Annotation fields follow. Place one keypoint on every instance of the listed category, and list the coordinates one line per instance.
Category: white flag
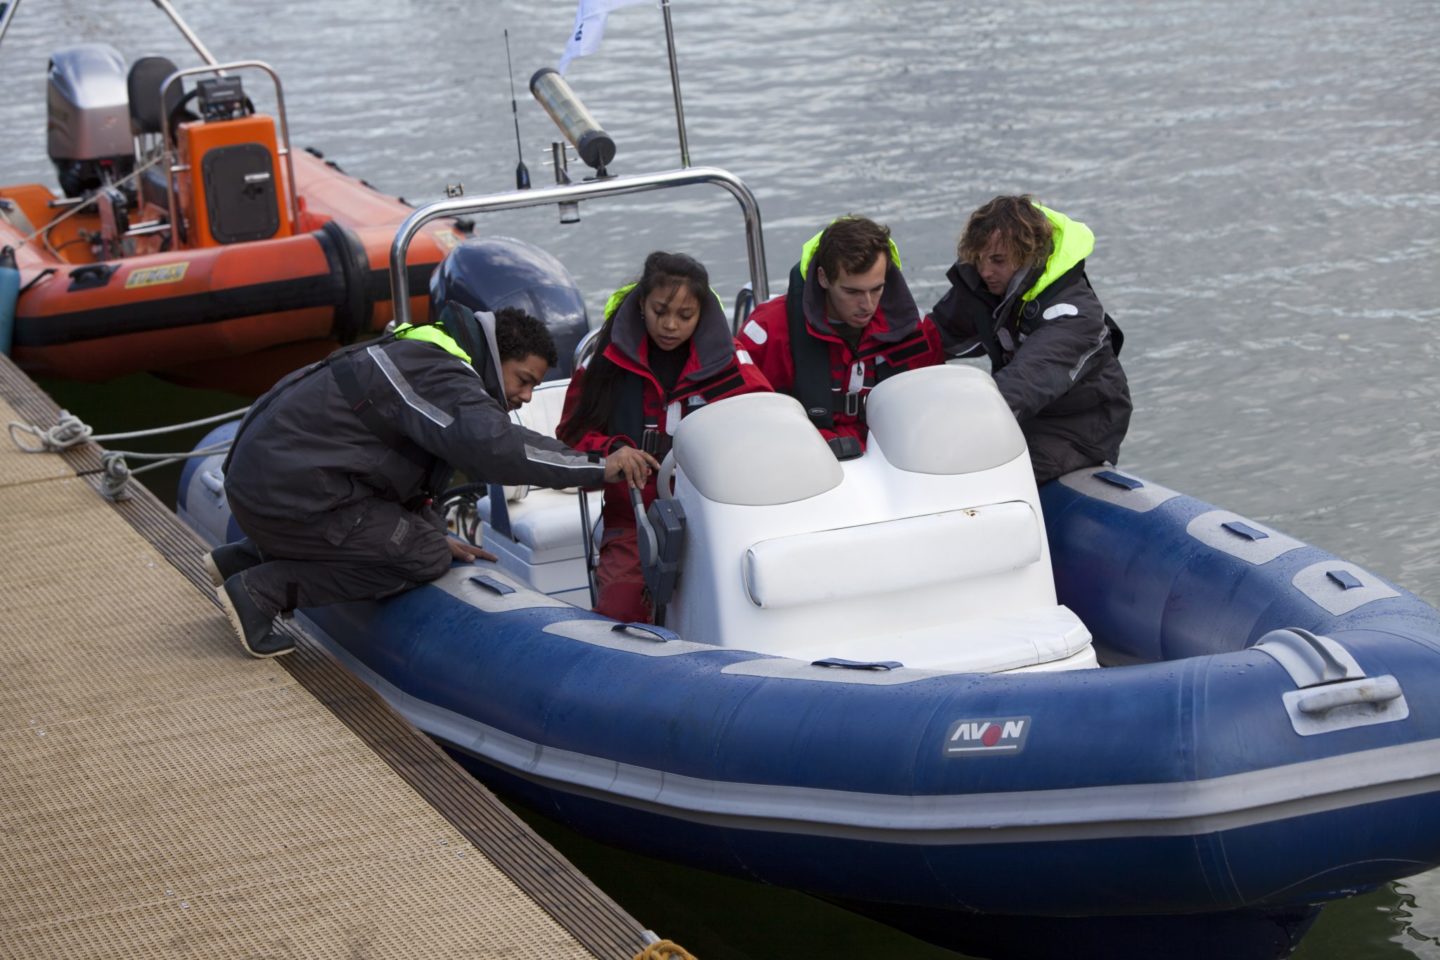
(590, 27)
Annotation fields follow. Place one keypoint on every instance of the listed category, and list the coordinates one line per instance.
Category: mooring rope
(70, 430)
(114, 471)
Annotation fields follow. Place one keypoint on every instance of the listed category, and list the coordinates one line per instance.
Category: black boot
(258, 633)
(228, 559)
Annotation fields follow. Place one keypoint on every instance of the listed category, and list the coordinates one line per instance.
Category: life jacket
(824, 389)
(1072, 241)
(650, 425)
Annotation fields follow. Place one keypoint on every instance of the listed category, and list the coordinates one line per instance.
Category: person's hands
(630, 464)
(468, 553)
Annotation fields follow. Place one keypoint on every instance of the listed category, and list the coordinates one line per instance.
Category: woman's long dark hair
(597, 394)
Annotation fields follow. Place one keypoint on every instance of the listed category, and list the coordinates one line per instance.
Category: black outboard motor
(493, 272)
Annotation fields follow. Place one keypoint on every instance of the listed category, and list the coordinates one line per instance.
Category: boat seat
(722, 453)
(928, 550)
(891, 556)
(142, 85)
(153, 189)
(545, 543)
(542, 414)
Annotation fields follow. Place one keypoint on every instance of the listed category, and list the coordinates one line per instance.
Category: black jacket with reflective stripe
(303, 452)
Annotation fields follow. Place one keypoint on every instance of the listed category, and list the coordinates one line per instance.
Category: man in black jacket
(332, 472)
(1019, 294)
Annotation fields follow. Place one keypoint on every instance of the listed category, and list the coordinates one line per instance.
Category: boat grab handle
(857, 664)
(491, 584)
(572, 192)
(1376, 690)
(1118, 480)
(1311, 660)
(656, 633)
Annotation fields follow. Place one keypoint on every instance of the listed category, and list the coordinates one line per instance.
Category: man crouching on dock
(332, 473)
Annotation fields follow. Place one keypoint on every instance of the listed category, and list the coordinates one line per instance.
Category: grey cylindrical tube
(593, 144)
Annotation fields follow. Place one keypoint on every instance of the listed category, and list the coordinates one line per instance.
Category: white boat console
(929, 550)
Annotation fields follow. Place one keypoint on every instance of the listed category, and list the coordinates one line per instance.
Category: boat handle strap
(491, 584)
(844, 664)
(1118, 480)
(1375, 690)
(656, 633)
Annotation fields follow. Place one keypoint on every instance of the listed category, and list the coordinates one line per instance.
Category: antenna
(522, 175)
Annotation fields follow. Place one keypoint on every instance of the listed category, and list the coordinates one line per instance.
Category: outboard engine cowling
(88, 117)
(489, 273)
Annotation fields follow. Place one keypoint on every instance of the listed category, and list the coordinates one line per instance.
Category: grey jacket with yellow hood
(1052, 349)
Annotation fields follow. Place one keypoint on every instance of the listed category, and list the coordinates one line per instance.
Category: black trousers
(372, 549)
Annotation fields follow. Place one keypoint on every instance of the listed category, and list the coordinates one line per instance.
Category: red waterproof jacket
(896, 339)
(644, 415)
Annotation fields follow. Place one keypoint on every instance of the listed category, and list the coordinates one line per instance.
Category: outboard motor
(88, 123)
(493, 272)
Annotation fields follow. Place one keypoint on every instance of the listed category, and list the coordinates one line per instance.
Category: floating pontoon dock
(162, 794)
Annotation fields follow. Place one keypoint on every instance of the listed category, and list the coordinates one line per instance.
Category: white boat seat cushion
(547, 522)
(908, 413)
(758, 449)
(891, 556)
(1036, 640)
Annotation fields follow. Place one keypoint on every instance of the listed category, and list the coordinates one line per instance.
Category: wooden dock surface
(164, 795)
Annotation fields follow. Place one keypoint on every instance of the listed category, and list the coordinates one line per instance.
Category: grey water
(1263, 181)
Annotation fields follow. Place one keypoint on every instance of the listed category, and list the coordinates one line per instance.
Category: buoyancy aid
(1071, 242)
(652, 426)
(712, 373)
(818, 383)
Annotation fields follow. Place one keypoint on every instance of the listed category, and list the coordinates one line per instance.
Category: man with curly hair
(1020, 296)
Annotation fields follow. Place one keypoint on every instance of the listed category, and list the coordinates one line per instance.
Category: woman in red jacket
(664, 351)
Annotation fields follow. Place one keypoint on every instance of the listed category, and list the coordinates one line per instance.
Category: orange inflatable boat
(191, 241)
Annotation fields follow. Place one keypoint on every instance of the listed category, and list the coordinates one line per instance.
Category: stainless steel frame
(675, 85)
(570, 193)
(7, 13)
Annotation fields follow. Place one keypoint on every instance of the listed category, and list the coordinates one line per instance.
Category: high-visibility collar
(1071, 242)
(813, 244)
(617, 298)
(430, 333)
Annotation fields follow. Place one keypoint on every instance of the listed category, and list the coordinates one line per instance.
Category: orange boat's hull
(235, 316)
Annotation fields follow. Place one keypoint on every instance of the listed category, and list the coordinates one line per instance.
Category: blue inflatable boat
(915, 684)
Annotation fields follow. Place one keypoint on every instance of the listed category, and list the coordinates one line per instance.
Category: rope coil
(114, 476)
(664, 950)
(67, 432)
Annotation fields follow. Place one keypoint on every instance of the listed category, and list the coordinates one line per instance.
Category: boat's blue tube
(1215, 768)
(9, 293)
